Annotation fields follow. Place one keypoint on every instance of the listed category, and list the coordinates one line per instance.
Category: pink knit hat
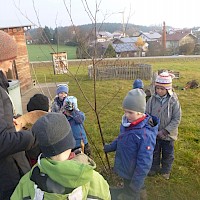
(164, 79)
(8, 47)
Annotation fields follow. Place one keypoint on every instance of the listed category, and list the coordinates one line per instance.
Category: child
(135, 144)
(38, 102)
(76, 119)
(62, 93)
(60, 174)
(138, 83)
(165, 105)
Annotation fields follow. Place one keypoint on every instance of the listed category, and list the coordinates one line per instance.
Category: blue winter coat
(76, 120)
(134, 151)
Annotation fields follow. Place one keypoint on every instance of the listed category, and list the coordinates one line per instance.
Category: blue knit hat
(138, 83)
(62, 88)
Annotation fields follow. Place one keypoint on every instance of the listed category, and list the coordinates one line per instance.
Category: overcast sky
(52, 13)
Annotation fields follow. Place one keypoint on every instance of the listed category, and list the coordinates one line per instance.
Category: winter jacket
(56, 105)
(13, 162)
(169, 114)
(76, 120)
(70, 179)
(134, 150)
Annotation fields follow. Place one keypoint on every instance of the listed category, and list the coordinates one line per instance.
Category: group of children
(68, 106)
(144, 146)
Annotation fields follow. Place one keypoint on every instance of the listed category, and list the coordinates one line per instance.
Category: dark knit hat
(135, 100)
(138, 83)
(62, 88)
(8, 47)
(38, 102)
(54, 134)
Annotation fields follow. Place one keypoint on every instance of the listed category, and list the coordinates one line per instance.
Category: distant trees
(110, 52)
(154, 49)
(197, 49)
(187, 49)
(46, 35)
(140, 43)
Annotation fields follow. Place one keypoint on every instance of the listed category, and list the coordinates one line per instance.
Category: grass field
(43, 52)
(184, 183)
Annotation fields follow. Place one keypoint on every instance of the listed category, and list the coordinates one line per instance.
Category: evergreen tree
(46, 35)
(110, 52)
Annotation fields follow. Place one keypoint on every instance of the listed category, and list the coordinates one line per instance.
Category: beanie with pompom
(8, 47)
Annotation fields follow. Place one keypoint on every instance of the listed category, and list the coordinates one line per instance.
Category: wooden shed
(21, 68)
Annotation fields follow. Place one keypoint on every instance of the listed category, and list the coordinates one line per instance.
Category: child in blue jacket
(76, 119)
(61, 94)
(135, 144)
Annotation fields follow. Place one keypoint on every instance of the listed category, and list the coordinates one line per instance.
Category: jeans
(163, 156)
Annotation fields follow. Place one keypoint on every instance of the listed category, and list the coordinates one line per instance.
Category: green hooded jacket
(62, 180)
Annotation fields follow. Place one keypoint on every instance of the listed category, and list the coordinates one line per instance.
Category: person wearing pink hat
(13, 162)
(165, 105)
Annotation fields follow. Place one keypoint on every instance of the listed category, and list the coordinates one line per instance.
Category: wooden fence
(142, 71)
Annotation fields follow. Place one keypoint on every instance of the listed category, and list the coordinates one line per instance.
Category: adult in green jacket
(60, 174)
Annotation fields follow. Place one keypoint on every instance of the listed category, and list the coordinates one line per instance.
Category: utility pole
(123, 25)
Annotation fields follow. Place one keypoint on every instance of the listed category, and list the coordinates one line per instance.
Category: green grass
(184, 183)
(43, 52)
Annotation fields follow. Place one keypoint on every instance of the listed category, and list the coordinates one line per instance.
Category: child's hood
(70, 173)
(150, 121)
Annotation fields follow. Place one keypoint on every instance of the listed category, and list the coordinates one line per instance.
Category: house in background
(150, 36)
(128, 43)
(104, 36)
(28, 37)
(179, 38)
(125, 40)
(117, 34)
(126, 49)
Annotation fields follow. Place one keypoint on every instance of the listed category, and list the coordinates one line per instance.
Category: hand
(106, 148)
(162, 134)
(18, 125)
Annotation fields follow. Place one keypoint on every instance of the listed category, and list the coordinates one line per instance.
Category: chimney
(164, 37)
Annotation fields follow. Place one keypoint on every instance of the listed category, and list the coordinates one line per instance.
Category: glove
(106, 148)
(162, 134)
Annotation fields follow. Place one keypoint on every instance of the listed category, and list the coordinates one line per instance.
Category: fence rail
(142, 71)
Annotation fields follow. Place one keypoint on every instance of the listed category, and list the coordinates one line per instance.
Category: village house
(179, 38)
(150, 36)
(104, 36)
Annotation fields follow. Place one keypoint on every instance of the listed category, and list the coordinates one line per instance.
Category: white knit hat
(164, 79)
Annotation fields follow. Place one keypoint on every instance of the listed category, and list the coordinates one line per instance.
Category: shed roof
(129, 39)
(152, 35)
(124, 47)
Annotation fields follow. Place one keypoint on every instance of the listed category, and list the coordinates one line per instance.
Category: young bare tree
(83, 40)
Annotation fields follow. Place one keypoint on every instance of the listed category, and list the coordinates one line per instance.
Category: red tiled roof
(176, 36)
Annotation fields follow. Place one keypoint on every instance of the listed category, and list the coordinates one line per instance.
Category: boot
(143, 194)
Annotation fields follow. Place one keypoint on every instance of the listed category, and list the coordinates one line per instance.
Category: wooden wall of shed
(22, 61)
